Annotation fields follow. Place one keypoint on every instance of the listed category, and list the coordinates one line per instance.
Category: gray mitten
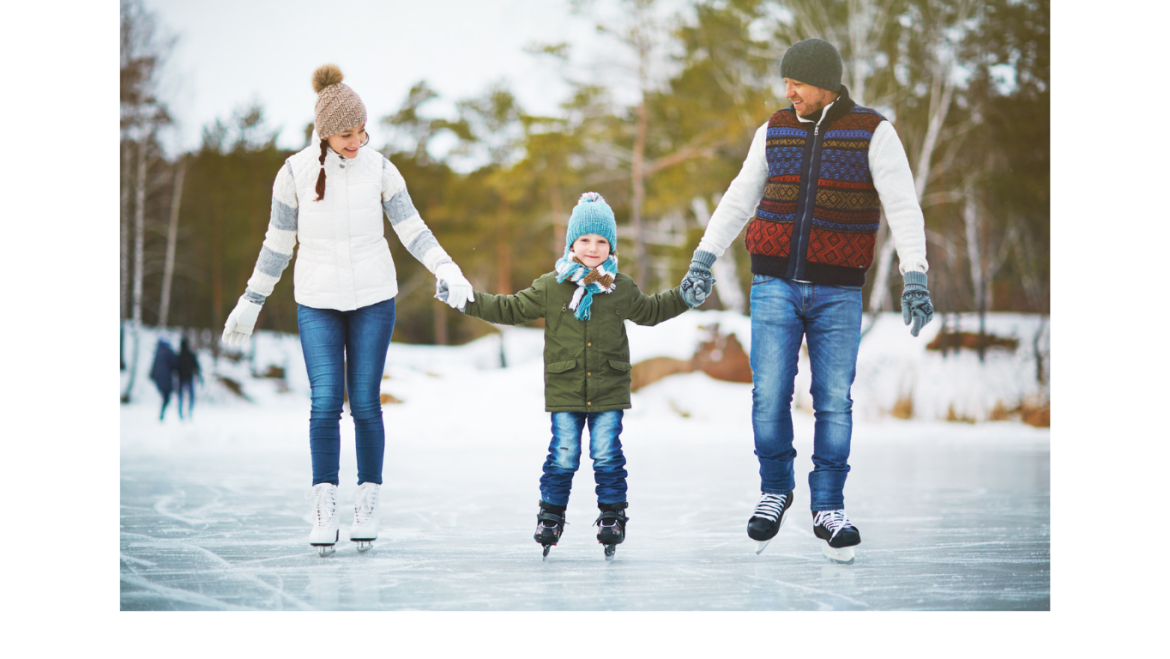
(697, 283)
(916, 305)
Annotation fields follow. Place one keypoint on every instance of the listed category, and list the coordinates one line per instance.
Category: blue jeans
(564, 456)
(782, 312)
(346, 350)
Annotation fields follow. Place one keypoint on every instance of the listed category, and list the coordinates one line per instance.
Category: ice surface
(953, 516)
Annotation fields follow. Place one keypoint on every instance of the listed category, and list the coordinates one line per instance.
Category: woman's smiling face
(348, 141)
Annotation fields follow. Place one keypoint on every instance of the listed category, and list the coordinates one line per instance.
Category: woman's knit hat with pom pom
(338, 106)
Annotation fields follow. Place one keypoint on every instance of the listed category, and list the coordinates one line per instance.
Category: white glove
(460, 289)
(240, 322)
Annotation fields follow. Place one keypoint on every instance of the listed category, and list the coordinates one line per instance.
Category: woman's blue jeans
(346, 349)
(783, 311)
(564, 456)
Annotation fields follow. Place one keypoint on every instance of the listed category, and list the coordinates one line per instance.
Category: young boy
(585, 304)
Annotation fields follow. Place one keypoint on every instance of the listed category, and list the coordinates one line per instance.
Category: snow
(953, 516)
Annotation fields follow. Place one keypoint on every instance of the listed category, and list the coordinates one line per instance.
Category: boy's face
(591, 249)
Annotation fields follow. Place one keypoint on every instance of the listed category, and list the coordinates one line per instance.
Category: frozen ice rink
(952, 516)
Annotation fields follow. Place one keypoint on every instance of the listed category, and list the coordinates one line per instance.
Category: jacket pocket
(619, 365)
(561, 367)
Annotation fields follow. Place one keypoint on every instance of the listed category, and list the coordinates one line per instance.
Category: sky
(231, 54)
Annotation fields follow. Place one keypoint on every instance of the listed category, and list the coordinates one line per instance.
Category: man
(815, 180)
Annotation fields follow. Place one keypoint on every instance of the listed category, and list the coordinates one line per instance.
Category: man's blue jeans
(346, 349)
(782, 312)
(564, 456)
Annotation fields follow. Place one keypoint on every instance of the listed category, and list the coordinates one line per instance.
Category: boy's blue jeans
(346, 349)
(782, 312)
(564, 456)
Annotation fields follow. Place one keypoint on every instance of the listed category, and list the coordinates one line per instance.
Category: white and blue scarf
(589, 281)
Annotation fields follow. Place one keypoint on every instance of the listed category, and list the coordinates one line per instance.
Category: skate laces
(770, 506)
(365, 500)
(834, 520)
(324, 497)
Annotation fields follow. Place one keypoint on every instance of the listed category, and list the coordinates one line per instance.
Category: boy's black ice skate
(838, 533)
(768, 518)
(550, 523)
(611, 526)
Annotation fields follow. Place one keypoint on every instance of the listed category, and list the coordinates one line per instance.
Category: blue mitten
(697, 283)
(916, 305)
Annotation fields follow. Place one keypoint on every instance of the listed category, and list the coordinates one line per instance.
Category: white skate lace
(324, 502)
(365, 498)
(770, 506)
(834, 520)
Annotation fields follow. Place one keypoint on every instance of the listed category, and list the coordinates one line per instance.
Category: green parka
(586, 363)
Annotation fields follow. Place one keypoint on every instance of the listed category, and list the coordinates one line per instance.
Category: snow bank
(896, 374)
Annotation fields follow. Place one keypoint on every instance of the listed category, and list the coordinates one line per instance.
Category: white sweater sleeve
(406, 221)
(279, 240)
(739, 204)
(895, 185)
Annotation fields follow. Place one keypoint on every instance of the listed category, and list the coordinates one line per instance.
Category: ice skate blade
(760, 544)
(546, 548)
(364, 545)
(325, 550)
(843, 555)
(609, 552)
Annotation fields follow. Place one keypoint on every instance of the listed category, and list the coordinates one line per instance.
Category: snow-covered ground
(952, 515)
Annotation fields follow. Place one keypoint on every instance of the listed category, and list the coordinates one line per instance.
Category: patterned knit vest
(836, 239)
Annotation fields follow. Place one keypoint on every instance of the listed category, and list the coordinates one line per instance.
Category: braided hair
(321, 176)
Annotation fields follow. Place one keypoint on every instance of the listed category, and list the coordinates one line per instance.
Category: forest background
(966, 85)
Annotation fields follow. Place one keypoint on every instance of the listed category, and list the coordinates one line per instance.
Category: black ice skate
(839, 534)
(768, 518)
(611, 526)
(550, 523)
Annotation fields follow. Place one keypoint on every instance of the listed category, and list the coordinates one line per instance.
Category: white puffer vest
(343, 261)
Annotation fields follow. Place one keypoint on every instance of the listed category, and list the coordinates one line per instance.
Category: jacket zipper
(809, 204)
(564, 308)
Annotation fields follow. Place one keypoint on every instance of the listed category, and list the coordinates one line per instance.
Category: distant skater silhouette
(162, 372)
(188, 367)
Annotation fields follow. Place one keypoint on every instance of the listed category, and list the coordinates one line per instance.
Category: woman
(330, 198)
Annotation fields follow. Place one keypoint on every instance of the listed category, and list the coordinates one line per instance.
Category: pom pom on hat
(326, 75)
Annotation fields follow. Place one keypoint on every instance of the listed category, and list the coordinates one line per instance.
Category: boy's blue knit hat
(591, 215)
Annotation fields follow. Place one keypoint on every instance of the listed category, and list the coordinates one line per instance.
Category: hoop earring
(367, 140)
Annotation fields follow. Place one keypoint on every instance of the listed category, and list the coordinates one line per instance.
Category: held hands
(442, 292)
(697, 283)
(916, 305)
(452, 287)
(240, 323)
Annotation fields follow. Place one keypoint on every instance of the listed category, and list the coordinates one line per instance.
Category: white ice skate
(365, 516)
(326, 529)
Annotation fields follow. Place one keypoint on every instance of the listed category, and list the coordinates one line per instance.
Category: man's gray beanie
(814, 62)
